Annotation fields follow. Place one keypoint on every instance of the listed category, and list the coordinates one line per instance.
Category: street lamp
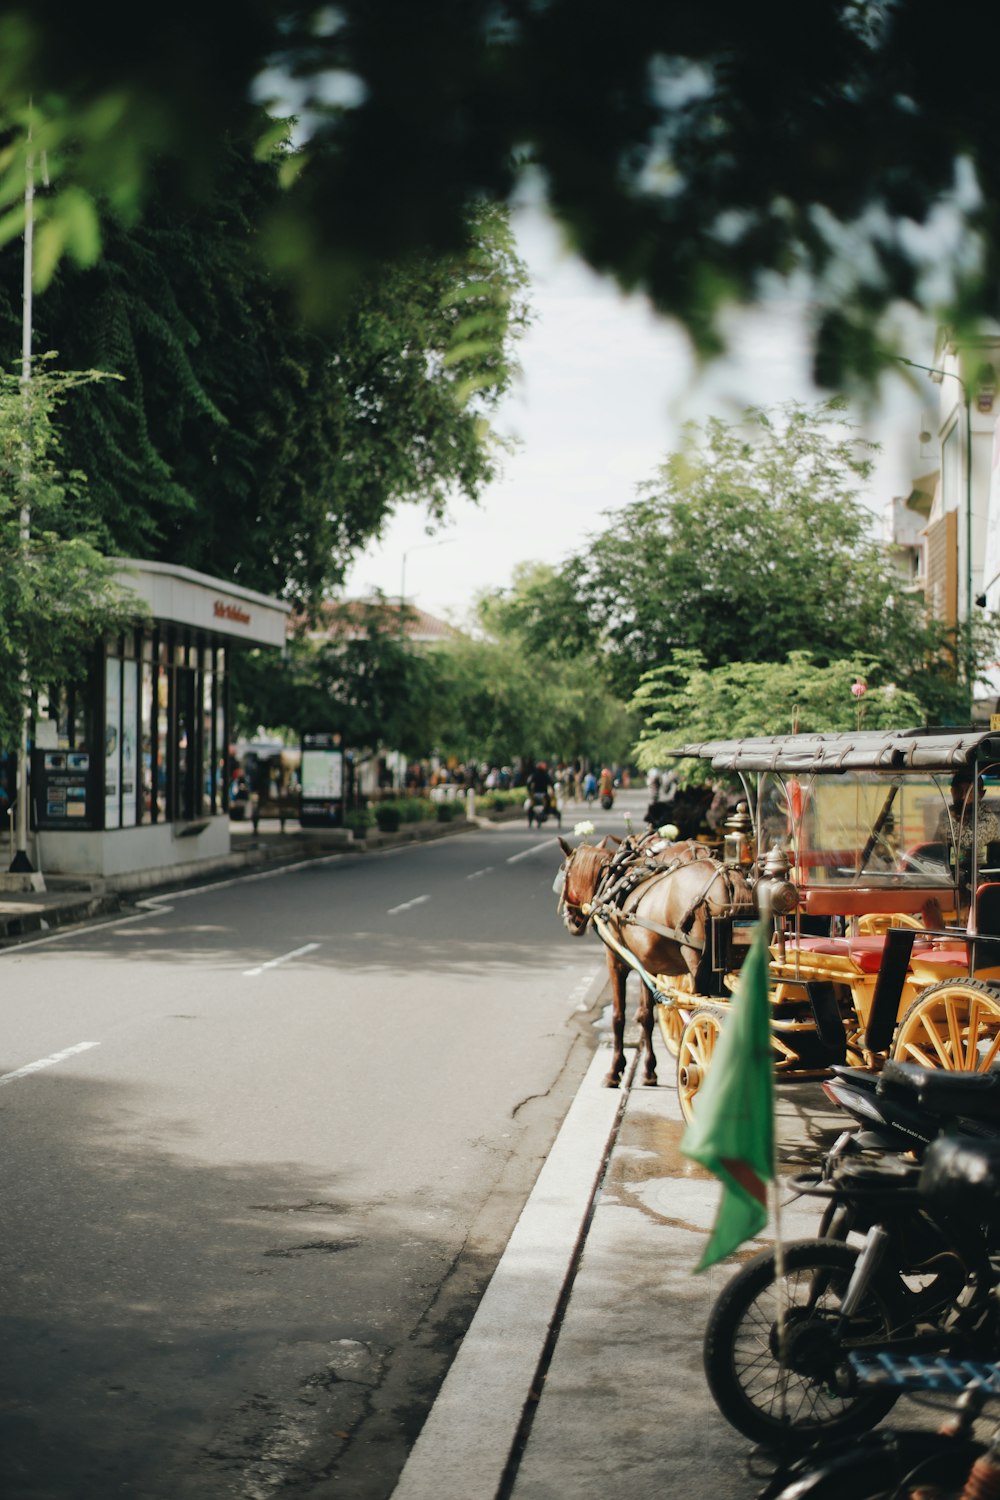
(937, 375)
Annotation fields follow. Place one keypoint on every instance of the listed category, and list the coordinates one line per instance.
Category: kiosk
(129, 768)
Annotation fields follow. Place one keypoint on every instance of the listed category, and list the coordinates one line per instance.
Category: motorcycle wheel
(817, 1394)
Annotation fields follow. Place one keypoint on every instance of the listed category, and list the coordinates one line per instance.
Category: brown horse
(654, 905)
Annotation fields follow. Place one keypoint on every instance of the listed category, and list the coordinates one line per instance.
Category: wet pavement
(617, 1403)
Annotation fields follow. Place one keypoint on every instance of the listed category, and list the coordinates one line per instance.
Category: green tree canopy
(692, 151)
(750, 542)
(239, 442)
(684, 702)
(58, 597)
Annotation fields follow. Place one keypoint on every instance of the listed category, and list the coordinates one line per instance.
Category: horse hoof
(651, 1081)
(611, 1082)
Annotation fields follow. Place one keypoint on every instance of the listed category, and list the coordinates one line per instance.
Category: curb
(469, 1441)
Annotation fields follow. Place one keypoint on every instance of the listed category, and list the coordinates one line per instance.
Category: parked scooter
(924, 1279)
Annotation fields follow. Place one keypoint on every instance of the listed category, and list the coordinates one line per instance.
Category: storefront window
(146, 741)
(112, 742)
(130, 729)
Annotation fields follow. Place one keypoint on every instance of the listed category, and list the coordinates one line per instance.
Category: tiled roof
(346, 619)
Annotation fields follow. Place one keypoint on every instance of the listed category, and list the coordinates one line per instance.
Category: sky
(604, 391)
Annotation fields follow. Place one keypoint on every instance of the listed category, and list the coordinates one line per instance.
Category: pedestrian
(589, 787)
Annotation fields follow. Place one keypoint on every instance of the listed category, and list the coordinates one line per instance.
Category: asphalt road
(264, 1143)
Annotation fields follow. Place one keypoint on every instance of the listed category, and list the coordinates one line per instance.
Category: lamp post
(937, 375)
(21, 864)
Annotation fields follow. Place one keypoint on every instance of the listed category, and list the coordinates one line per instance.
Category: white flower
(669, 831)
(582, 829)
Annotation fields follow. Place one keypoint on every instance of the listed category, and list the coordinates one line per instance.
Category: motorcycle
(924, 1279)
(949, 1462)
(541, 807)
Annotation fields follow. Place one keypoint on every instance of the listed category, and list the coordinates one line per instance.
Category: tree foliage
(694, 152)
(58, 596)
(483, 697)
(242, 444)
(684, 701)
(359, 677)
(748, 543)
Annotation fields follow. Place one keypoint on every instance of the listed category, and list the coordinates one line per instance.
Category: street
(264, 1144)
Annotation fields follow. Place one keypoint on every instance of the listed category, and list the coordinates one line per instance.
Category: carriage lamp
(774, 890)
(737, 843)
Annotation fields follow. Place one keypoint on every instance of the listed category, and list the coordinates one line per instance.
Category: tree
(58, 596)
(504, 704)
(685, 702)
(364, 679)
(242, 444)
(748, 543)
(694, 152)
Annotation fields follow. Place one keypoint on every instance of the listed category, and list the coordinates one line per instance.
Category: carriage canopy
(896, 750)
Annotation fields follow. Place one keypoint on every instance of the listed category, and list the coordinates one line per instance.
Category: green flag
(732, 1133)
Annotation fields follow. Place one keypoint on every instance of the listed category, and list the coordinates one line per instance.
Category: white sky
(605, 390)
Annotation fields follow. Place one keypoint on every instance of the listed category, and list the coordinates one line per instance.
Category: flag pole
(774, 1194)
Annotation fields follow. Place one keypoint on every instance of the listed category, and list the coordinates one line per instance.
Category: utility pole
(21, 864)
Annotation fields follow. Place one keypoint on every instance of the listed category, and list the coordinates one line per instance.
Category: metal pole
(21, 863)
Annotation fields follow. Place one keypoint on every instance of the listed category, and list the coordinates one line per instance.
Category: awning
(868, 750)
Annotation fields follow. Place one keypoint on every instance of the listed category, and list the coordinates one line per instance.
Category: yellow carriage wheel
(694, 1053)
(673, 1010)
(954, 1025)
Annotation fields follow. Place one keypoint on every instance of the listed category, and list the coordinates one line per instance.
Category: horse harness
(642, 874)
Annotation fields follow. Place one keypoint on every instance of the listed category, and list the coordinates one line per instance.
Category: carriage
(883, 892)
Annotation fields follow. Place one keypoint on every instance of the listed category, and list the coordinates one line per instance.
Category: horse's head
(581, 872)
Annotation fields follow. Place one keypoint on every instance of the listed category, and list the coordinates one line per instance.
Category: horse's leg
(618, 974)
(644, 1019)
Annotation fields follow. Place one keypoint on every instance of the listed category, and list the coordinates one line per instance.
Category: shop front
(129, 768)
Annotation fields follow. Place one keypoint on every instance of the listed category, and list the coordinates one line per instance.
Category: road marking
(273, 963)
(535, 849)
(417, 901)
(46, 1062)
(476, 873)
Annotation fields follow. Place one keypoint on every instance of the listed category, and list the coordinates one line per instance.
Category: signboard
(321, 774)
(62, 789)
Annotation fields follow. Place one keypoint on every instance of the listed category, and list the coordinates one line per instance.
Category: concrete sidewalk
(581, 1374)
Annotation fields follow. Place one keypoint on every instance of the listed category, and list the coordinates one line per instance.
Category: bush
(445, 812)
(388, 816)
(359, 821)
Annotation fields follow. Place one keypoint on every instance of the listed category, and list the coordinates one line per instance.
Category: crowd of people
(571, 781)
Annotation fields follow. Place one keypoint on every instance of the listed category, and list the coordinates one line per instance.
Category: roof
(347, 620)
(867, 750)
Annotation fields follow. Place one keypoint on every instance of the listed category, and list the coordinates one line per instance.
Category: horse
(653, 900)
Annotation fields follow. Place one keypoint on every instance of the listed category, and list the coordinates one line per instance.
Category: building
(129, 768)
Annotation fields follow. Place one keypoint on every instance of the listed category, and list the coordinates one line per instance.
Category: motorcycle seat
(974, 1095)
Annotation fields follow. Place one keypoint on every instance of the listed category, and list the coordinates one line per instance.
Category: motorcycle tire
(607, 803)
(819, 1395)
(884, 1466)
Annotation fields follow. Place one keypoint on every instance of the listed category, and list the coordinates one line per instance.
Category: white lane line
(46, 1062)
(273, 963)
(535, 849)
(417, 901)
(477, 873)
